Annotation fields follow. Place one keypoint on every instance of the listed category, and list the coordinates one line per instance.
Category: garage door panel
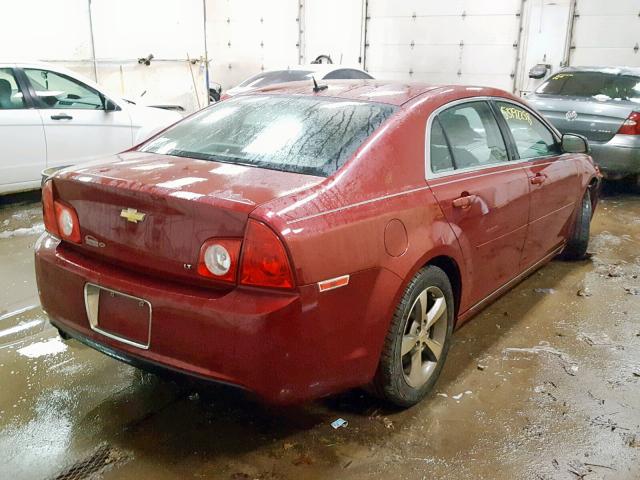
(602, 56)
(381, 8)
(248, 36)
(602, 8)
(120, 21)
(482, 59)
(618, 28)
(445, 30)
(425, 58)
(444, 60)
(434, 41)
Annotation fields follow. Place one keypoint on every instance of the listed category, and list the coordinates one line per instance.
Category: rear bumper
(284, 347)
(619, 156)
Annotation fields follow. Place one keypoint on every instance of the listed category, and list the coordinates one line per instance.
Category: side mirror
(539, 71)
(572, 143)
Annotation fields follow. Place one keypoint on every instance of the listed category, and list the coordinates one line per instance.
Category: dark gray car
(603, 104)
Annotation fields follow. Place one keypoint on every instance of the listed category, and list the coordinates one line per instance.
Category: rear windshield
(305, 135)
(279, 76)
(598, 85)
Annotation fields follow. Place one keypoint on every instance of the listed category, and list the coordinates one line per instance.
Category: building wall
(454, 41)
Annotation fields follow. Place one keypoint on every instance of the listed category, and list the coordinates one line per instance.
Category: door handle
(539, 179)
(464, 201)
(61, 116)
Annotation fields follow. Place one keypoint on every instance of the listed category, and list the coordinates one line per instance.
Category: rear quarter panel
(375, 220)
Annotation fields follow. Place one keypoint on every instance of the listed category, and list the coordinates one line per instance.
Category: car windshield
(598, 85)
(278, 76)
(313, 136)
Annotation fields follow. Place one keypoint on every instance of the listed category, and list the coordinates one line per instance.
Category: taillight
(219, 259)
(631, 125)
(67, 222)
(48, 211)
(264, 259)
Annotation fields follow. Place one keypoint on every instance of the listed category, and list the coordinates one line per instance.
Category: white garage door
(606, 33)
(245, 36)
(457, 41)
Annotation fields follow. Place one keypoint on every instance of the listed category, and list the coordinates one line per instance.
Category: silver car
(603, 104)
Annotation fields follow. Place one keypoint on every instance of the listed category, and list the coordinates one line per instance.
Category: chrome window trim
(429, 174)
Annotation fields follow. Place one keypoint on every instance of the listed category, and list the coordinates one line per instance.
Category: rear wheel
(417, 342)
(576, 248)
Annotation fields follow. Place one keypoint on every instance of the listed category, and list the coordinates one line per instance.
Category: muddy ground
(543, 384)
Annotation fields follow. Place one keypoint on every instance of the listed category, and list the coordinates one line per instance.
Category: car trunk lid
(597, 120)
(153, 212)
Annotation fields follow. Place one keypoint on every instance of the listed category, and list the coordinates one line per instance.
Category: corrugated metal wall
(454, 41)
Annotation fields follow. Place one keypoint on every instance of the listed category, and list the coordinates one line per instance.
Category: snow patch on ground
(40, 349)
(37, 229)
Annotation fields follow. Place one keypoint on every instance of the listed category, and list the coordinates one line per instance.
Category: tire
(405, 379)
(576, 248)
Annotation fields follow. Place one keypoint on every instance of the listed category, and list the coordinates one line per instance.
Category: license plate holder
(119, 316)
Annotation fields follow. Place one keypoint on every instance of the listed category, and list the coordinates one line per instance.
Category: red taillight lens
(631, 125)
(219, 258)
(48, 211)
(67, 222)
(264, 259)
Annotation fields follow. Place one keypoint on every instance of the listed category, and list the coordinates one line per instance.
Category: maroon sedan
(297, 242)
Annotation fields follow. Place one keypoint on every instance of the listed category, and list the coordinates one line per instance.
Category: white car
(319, 71)
(51, 117)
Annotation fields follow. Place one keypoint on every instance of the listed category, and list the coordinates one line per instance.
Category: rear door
(484, 195)
(77, 127)
(22, 147)
(552, 177)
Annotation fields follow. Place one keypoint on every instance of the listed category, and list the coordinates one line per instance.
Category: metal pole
(569, 40)
(206, 52)
(301, 46)
(93, 45)
(518, 46)
(363, 34)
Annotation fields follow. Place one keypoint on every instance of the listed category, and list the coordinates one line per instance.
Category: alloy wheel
(424, 336)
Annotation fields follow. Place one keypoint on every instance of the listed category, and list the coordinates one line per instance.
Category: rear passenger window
(441, 160)
(533, 139)
(473, 135)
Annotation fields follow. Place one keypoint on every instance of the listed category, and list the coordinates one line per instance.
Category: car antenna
(317, 88)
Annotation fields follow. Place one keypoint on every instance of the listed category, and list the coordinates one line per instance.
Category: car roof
(613, 70)
(320, 68)
(380, 91)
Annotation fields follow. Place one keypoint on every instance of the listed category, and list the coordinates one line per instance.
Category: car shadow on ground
(204, 421)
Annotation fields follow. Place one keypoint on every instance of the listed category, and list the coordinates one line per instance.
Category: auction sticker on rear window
(513, 113)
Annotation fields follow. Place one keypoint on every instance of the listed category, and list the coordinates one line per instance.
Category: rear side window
(308, 135)
(533, 139)
(472, 132)
(441, 160)
(11, 97)
(599, 85)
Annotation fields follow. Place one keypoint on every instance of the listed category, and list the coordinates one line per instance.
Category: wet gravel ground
(543, 384)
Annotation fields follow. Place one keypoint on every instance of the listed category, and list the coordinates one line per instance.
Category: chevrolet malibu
(300, 241)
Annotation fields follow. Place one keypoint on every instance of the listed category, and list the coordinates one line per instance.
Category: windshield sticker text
(512, 113)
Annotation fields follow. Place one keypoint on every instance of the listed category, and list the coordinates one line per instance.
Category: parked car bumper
(620, 156)
(284, 347)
